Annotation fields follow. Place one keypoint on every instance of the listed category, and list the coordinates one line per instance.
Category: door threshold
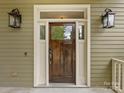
(62, 85)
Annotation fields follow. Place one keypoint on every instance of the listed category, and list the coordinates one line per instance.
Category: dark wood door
(62, 52)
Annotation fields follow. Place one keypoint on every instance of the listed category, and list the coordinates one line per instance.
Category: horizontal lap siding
(16, 69)
(105, 43)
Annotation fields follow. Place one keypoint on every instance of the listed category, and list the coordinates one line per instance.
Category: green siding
(16, 69)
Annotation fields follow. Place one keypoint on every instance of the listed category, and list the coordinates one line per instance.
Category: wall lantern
(108, 18)
(14, 18)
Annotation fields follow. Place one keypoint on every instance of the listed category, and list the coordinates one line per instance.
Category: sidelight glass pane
(81, 32)
(42, 32)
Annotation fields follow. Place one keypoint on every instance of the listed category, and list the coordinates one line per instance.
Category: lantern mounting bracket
(107, 10)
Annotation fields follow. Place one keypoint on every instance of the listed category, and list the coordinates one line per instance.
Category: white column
(47, 51)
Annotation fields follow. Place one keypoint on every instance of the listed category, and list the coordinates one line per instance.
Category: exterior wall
(16, 69)
(105, 43)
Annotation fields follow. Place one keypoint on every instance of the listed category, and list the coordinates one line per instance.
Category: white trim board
(37, 21)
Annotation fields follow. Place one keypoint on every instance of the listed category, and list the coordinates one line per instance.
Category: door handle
(50, 56)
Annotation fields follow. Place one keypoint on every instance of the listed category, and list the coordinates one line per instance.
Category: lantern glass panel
(105, 21)
(17, 21)
(11, 20)
(110, 20)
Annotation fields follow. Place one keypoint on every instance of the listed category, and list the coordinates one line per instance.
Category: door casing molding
(37, 20)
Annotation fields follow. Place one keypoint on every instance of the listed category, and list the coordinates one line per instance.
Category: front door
(62, 52)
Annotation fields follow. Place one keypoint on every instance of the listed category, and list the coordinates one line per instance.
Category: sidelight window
(42, 32)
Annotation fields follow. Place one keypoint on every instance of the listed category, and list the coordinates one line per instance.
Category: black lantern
(108, 18)
(14, 18)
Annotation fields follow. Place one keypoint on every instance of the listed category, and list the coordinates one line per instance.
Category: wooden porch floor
(54, 90)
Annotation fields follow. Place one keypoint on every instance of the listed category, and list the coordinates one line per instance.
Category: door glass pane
(42, 32)
(61, 32)
(81, 32)
(67, 32)
(57, 32)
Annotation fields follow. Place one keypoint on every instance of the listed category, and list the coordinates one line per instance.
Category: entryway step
(54, 90)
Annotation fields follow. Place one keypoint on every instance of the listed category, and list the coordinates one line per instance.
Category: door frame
(37, 21)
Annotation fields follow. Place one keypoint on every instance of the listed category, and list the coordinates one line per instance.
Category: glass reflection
(67, 32)
(81, 32)
(57, 32)
(42, 32)
(61, 32)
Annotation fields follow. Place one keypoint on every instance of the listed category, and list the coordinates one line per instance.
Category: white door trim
(37, 10)
(47, 51)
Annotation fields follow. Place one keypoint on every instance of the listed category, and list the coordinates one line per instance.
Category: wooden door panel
(67, 52)
(55, 65)
(62, 65)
